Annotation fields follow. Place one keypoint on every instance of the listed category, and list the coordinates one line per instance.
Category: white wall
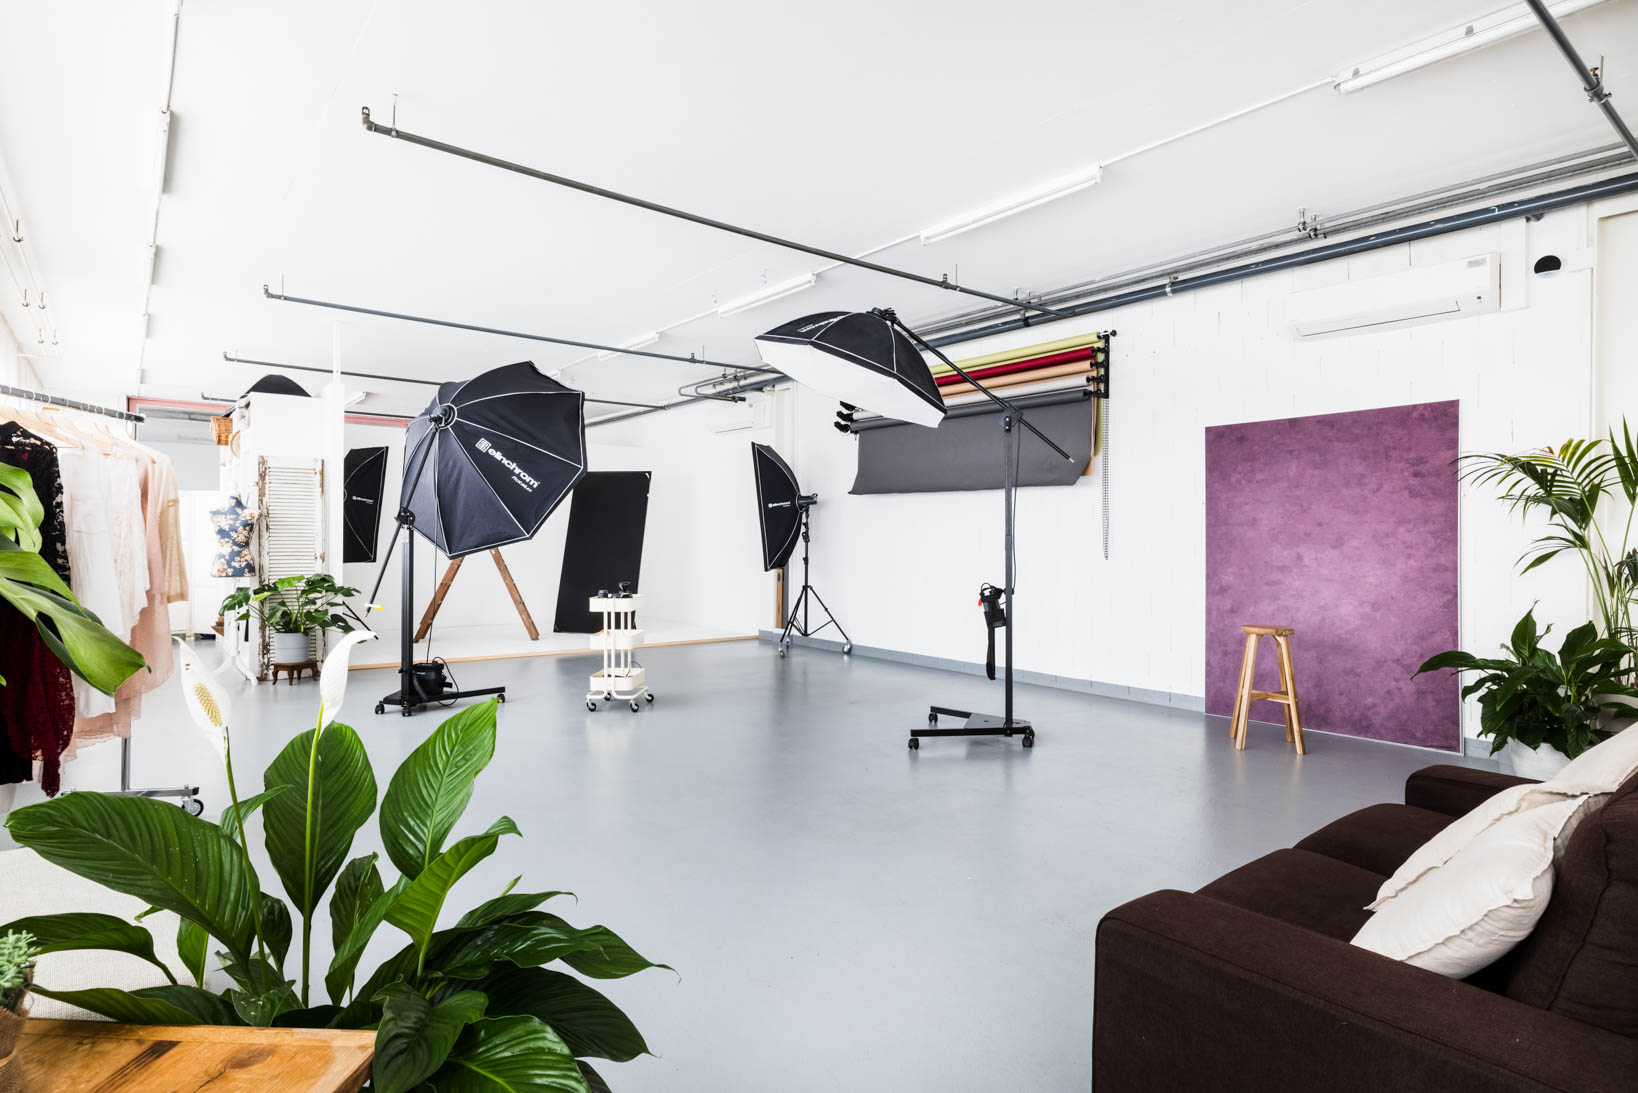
(902, 571)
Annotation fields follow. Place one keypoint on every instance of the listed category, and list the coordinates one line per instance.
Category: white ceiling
(847, 131)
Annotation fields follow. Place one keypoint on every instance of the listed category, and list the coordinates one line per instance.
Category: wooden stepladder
(449, 579)
(1287, 694)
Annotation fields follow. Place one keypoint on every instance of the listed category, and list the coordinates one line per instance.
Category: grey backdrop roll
(964, 453)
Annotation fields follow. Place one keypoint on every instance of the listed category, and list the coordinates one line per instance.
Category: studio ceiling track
(611, 349)
(401, 379)
(1592, 81)
(694, 218)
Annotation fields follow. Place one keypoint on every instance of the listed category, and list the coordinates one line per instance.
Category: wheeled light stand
(800, 607)
(983, 724)
(409, 697)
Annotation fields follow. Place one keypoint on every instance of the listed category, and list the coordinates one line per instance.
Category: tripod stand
(800, 607)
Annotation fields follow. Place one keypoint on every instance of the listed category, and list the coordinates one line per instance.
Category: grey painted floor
(844, 913)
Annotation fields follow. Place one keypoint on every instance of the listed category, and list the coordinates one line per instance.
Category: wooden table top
(100, 1055)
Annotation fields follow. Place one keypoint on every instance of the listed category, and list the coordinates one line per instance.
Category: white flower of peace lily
(333, 676)
(207, 703)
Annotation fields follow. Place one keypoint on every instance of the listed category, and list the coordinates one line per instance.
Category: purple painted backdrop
(1343, 526)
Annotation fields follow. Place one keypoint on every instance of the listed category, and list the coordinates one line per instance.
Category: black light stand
(808, 591)
(981, 724)
(410, 697)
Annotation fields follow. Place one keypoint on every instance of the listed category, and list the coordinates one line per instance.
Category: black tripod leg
(847, 642)
(790, 621)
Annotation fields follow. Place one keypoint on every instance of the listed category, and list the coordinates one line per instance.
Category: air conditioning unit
(1467, 286)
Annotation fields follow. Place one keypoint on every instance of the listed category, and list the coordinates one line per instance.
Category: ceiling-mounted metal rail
(694, 218)
(392, 379)
(1592, 81)
(475, 328)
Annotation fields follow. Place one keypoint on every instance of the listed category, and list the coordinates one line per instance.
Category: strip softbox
(364, 477)
(778, 505)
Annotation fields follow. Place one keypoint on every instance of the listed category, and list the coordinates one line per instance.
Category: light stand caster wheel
(1029, 738)
(932, 719)
(407, 710)
(649, 696)
(193, 806)
(847, 647)
(782, 650)
(380, 707)
(590, 705)
(634, 706)
(915, 745)
(500, 698)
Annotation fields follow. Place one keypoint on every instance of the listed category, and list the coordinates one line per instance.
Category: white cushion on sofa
(1464, 829)
(1599, 769)
(1472, 910)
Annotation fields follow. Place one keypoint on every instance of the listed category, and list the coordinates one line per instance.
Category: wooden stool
(1286, 695)
(293, 670)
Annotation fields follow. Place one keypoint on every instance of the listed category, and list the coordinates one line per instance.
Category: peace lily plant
(466, 1008)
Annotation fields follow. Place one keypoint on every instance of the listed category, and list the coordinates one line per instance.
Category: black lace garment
(37, 702)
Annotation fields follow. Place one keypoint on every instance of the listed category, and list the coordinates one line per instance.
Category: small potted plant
(17, 953)
(290, 609)
(1542, 709)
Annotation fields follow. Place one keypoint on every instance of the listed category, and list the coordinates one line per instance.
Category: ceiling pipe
(1592, 82)
(395, 379)
(690, 359)
(694, 218)
(1169, 285)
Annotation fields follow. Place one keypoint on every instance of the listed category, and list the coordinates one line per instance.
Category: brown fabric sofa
(1250, 983)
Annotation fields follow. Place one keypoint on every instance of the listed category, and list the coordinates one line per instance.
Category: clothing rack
(68, 403)
(189, 794)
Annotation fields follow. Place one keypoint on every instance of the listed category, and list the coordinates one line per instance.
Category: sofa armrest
(1456, 791)
(1196, 994)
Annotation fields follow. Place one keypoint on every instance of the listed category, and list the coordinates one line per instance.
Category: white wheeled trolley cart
(621, 679)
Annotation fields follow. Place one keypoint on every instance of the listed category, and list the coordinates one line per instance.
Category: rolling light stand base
(978, 724)
(409, 704)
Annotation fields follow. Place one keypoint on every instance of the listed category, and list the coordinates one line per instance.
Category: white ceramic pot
(289, 648)
(1539, 763)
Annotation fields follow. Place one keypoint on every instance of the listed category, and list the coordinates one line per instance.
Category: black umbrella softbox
(489, 459)
(363, 479)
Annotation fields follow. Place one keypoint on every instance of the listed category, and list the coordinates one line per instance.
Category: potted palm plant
(290, 609)
(1542, 709)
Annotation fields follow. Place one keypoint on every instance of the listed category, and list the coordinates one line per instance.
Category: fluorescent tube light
(767, 295)
(635, 343)
(989, 214)
(1486, 30)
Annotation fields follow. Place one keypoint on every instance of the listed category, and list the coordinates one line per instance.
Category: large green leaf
(343, 796)
(430, 790)
(88, 930)
(509, 1055)
(20, 507)
(534, 937)
(357, 887)
(416, 1036)
(232, 816)
(416, 910)
(276, 927)
(505, 905)
(173, 1004)
(594, 1080)
(74, 635)
(606, 956)
(588, 1022)
(339, 979)
(147, 849)
(193, 946)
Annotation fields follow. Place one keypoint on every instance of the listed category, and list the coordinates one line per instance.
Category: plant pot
(1539, 763)
(11, 1030)
(290, 648)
